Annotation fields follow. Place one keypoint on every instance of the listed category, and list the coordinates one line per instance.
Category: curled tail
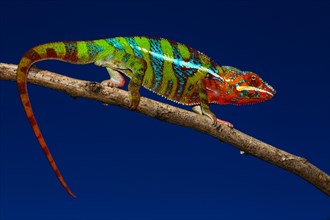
(68, 52)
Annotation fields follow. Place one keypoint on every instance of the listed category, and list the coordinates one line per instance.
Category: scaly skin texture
(170, 69)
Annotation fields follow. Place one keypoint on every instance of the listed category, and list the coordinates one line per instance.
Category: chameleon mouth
(248, 88)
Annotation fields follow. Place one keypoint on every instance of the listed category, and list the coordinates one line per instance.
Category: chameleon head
(245, 87)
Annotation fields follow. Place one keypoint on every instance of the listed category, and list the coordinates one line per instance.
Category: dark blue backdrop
(124, 165)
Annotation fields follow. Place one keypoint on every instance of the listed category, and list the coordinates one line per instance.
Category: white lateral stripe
(241, 88)
(180, 62)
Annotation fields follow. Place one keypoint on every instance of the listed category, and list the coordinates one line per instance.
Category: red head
(238, 87)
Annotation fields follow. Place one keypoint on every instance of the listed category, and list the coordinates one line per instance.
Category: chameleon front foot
(215, 121)
(134, 100)
(225, 122)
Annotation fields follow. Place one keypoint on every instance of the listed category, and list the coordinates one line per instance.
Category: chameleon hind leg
(134, 67)
(116, 79)
(204, 108)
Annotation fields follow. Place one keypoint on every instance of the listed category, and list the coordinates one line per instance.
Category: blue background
(124, 165)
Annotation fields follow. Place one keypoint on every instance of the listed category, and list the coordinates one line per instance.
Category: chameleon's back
(172, 68)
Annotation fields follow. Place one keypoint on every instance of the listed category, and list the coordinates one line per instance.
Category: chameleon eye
(253, 77)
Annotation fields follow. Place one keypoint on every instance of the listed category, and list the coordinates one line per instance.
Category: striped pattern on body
(173, 70)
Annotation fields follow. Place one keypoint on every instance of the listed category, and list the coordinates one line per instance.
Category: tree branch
(251, 146)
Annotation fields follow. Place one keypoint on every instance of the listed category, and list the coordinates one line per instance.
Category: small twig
(249, 145)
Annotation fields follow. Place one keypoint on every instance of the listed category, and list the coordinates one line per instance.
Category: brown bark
(251, 146)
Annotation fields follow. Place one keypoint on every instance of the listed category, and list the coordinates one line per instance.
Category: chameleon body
(170, 69)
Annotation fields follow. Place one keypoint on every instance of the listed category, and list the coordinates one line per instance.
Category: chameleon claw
(132, 107)
(216, 121)
(108, 83)
(225, 122)
(133, 101)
